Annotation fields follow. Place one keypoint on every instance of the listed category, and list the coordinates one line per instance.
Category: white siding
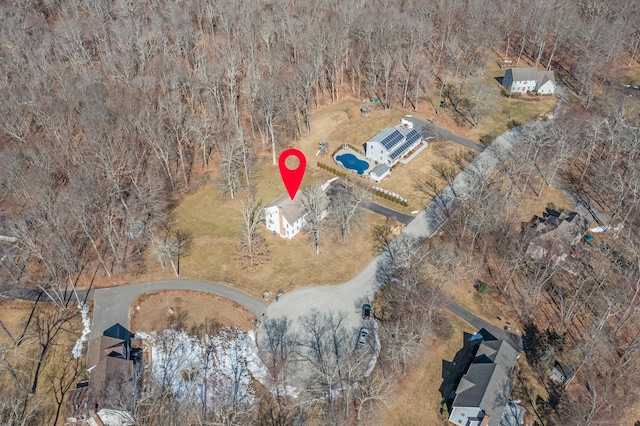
(376, 151)
(462, 416)
(523, 86)
(271, 219)
(547, 88)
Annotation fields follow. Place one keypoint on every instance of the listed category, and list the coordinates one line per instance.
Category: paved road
(111, 305)
(387, 212)
(513, 339)
(443, 133)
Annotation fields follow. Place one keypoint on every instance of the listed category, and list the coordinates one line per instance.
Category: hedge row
(377, 191)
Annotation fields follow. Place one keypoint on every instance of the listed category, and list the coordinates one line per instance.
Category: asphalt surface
(429, 129)
(111, 305)
(513, 339)
(387, 212)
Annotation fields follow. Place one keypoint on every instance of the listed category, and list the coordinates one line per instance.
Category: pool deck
(359, 156)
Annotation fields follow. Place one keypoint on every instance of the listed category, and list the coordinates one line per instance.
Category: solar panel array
(392, 139)
(411, 138)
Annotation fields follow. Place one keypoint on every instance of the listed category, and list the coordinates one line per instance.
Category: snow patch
(259, 370)
(328, 183)
(214, 369)
(86, 323)
(376, 351)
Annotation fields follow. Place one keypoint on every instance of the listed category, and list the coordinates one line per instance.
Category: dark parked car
(366, 311)
(362, 337)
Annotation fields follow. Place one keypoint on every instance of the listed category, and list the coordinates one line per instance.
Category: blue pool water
(352, 162)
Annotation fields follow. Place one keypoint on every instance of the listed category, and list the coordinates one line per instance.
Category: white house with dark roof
(484, 390)
(285, 216)
(392, 143)
(529, 79)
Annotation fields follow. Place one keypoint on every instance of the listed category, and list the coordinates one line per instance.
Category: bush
(482, 287)
(556, 341)
(443, 327)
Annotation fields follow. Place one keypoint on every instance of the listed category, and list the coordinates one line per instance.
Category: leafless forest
(111, 109)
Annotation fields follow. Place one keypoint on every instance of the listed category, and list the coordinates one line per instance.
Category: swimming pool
(352, 162)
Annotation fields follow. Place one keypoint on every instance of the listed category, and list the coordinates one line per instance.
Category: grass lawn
(214, 220)
(153, 311)
(293, 263)
(416, 397)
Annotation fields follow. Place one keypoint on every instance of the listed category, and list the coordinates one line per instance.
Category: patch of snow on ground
(211, 368)
(328, 183)
(86, 323)
(259, 370)
(376, 350)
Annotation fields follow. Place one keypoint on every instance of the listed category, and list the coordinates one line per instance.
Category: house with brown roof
(554, 233)
(109, 392)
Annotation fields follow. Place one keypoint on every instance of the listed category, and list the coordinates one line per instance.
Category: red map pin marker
(292, 178)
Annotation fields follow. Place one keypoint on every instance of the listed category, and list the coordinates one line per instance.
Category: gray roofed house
(529, 79)
(285, 216)
(483, 391)
(393, 143)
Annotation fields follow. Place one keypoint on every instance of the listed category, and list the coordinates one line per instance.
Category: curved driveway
(348, 297)
(111, 305)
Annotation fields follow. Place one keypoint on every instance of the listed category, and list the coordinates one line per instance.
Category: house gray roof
(487, 387)
(291, 209)
(380, 169)
(531, 74)
(486, 383)
(396, 140)
(525, 74)
(498, 352)
(546, 76)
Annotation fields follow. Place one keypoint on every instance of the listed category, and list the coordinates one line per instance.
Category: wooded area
(111, 110)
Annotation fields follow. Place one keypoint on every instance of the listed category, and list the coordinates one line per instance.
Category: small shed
(379, 172)
(561, 373)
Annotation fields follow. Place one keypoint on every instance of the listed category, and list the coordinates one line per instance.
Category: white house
(529, 79)
(392, 143)
(285, 216)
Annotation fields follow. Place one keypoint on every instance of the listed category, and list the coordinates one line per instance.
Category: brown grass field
(152, 311)
(14, 315)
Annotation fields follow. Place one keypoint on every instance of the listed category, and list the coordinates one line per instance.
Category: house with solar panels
(392, 143)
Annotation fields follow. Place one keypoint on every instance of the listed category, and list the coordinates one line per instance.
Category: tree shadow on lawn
(452, 371)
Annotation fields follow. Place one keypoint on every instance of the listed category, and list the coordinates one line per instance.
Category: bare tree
(345, 208)
(314, 204)
(252, 248)
(170, 249)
